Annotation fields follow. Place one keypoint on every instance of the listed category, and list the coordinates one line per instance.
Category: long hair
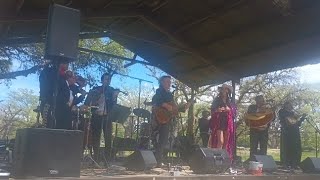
(228, 95)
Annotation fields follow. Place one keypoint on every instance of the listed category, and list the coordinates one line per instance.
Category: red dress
(215, 125)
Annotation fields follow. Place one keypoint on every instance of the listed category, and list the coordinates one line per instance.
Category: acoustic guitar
(163, 116)
(259, 120)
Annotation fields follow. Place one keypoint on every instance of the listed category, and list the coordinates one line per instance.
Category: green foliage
(92, 66)
(277, 87)
(17, 112)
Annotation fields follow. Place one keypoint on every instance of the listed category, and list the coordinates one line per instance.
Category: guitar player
(164, 110)
(290, 146)
(163, 98)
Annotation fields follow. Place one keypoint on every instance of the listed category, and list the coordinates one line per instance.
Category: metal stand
(88, 156)
(105, 123)
(316, 131)
(55, 94)
(233, 100)
(115, 136)
(139, 100)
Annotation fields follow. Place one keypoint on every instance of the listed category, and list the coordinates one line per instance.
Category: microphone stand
(139, 100)
(56, 84)
(316, 131)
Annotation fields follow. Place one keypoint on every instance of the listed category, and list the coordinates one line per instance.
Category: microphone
(124, 93)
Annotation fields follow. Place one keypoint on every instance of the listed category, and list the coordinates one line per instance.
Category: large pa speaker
(62, 33)
(141, 160)
(310, 165)
(269, 165)
(47, 153)
(209, 161)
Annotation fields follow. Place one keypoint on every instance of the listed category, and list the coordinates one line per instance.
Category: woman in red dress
(223, 112)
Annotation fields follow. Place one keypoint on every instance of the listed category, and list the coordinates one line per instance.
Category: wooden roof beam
(183, 44)
(282, 31)
(138, 38)
(217, 12)
(262, 25)
(115, 56)
(25, 16)
(39, 39)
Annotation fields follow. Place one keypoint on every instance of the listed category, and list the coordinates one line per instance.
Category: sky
(118, 81)
(309, 74)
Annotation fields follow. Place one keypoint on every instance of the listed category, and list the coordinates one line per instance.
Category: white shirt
(101, 104)
(70, 96)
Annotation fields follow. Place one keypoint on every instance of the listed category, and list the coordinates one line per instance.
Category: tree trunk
(190, 129)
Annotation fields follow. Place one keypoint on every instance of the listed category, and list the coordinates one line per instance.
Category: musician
(46, 80)
(258, 135)
(79, 95)
(221, 124)
(162, 98)
(104, 98)
(64, 101)
(203, 124)
(77, 89)
(290, 148)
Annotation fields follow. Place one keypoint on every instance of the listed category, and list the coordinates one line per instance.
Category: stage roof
(198, 42)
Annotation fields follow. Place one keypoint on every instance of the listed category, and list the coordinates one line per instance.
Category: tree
(20, 60)
(277, 87)
(25, 59)
(17, 112)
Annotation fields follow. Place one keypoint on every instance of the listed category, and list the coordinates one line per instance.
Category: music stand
(118, 114)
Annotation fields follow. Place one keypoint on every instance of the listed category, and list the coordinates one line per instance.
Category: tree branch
(13, 75)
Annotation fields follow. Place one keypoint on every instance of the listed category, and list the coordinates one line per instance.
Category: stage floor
(196, 177)
(117, 172)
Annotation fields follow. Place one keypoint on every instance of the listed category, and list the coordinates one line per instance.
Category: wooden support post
(233, 99)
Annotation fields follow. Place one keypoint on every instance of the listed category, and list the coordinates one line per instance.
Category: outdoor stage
(117, 172)
(200, 177)
(215, 177)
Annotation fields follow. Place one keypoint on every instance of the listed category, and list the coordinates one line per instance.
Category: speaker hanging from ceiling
(62, 33)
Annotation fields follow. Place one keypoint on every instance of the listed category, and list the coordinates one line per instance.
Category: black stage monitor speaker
(47, 153)
(141, 160)
(268, 162)
(209, 161)
(62, 33)
(310, 165)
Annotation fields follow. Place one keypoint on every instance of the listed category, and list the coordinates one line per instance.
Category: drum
(142, 113)
(259, 119)
(119, 114)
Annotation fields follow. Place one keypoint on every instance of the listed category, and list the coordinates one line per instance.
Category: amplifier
(47, 153)
(210, 161)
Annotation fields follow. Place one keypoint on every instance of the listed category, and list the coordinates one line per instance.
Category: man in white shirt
(103, 97)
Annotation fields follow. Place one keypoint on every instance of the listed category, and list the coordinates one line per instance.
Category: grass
(275, 153)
